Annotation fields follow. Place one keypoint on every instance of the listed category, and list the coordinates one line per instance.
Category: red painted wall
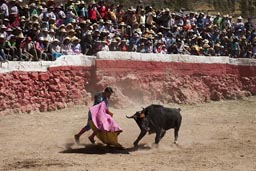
(133, 82)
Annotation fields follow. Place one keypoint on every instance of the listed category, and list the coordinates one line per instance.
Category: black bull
(157, 119)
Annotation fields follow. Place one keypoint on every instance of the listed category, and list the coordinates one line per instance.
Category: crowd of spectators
(44, 30)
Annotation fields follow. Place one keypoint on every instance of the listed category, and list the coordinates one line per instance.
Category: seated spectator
(29, 50)
(3, 55)
(105, 46)
(46, 45)
(76, 46)
(11, 47)
(40, 49)
(66, 47)
(113, 45)
(55, 49)
(123, 45)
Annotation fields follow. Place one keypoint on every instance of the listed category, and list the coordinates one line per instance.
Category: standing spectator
(4, 9)
(119, 13)
(112, 14)
(93, 13)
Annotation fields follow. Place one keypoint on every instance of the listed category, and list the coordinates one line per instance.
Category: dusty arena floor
(217, 136)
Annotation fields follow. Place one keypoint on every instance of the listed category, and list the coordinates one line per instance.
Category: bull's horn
(129, 117)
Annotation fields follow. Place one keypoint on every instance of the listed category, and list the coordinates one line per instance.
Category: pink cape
(103, 121)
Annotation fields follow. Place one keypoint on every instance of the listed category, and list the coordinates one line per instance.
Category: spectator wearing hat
(109, 26)
(82, 11)
(60, 15)
(44, 33)
(100, 26)
(51, 14)
(23, 22)
(51, 35)
(113, 45)
(40, 48)
(28, 48)
(239, 25)
(19, 45)
(76, 46)
(130, 17)
(61, 34)
(206, 49)
(6, 22)
(122, 28)
(71, 34)
(141, 17)
(46, 50)
(105, 46)
(217, 50)
(149, 48)
(55, 49)
(3, 31)
(33, 10)
(9, 32)
(11, 46)
(66, 46)
(123, 46)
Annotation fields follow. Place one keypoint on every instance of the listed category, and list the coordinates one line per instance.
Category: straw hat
(75, 39)
(206, 45)
(122, 24)
(2, 36)
(55, 40)
(63, 30)
(20, 36)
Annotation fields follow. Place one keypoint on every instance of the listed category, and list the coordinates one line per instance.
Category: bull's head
(137, 115)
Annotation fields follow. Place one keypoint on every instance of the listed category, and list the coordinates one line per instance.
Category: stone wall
(136, 79)
(54, 89)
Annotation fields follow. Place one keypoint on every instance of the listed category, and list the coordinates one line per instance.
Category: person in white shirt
(76, 46)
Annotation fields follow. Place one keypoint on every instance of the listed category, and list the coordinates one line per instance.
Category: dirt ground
(216, 136)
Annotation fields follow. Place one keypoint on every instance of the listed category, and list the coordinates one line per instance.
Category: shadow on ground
(101, 149)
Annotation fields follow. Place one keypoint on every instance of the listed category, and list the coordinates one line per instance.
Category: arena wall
(136, 78)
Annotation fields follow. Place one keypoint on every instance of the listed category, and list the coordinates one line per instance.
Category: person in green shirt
(10, 46)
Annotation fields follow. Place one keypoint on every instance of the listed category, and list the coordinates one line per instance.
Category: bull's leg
(163, 133)
(142, 134)
(158, 135)
(176, 134)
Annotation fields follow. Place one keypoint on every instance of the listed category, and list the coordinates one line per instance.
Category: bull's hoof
(176, 142)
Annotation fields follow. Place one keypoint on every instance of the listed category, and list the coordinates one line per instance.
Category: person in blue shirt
(98, 98)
